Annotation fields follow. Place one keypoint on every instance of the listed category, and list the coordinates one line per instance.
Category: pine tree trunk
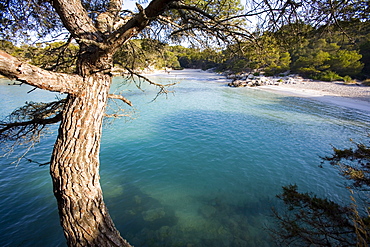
(75, 168)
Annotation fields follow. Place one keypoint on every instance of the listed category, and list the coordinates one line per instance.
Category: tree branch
(137, 23)
(120, 97)
(178, 6)
(76, 20)
(34, 122)
(14, 68)
(148, 80)
(26, 124)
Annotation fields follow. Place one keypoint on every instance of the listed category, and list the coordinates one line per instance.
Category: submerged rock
(207, 211)
(153, 214)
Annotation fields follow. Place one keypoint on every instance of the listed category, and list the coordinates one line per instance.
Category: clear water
(198, 167)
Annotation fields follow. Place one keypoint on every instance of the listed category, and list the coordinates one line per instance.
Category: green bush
(329, 76)
(347, 79)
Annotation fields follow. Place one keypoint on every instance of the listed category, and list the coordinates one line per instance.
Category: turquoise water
(198, 167)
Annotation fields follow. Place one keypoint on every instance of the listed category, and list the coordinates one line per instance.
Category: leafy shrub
(329, 76)
(308, 71)
(348, 80)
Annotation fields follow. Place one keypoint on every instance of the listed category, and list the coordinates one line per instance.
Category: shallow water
(198, 167)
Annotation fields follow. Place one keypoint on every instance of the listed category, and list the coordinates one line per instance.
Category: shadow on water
(227, 168)
(144, 221)
(205, 177)
(140, 218)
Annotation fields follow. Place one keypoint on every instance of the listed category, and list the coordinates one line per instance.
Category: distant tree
(264, 54)
(197, 58)
(7, 46)
(346, 62)
(319, 57)
(294, 22)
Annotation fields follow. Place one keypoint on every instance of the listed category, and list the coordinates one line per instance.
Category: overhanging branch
(162, 86)
(137, 23)
(34, 122)
(27, 122)
(14, 68)
(120, 97)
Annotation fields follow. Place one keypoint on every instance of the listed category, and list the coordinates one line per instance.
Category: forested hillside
(325, 53)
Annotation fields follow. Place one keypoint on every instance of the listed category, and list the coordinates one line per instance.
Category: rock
(237, 83)
(250, 76)
(261, 80)
(137, 199)
(164, 232)
(231, 76)
(153, 214)
(207, 211)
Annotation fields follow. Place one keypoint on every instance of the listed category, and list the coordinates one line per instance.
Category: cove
(199, 166)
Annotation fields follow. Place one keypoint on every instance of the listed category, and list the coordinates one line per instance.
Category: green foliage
(196, 58)
(264, 54)
(347, 79)
(346, 62)
(296, 47)
(7, 46)
(56, 56)
(325, 61)
(139, 54)
(324, 53)
(365, 52)
(354, 164)
(327, 75)
(310, 220)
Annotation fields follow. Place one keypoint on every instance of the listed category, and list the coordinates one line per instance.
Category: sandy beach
(350, 96)
(353, 96)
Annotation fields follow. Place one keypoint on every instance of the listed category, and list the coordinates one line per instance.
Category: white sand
(350, 96)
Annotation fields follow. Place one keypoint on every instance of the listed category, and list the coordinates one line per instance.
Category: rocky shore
(295, 84)
(251, 80)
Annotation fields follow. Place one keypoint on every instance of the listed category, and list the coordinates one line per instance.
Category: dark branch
(27, 122)
(161, 86)
(120, 97)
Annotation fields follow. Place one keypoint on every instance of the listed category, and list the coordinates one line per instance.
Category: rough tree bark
(75, 162)
(75, 168)
(75, 159)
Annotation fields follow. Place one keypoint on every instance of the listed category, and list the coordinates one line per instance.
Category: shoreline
(351, 96)
(348, 96)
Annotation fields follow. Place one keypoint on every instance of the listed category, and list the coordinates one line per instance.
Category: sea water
(198, 166)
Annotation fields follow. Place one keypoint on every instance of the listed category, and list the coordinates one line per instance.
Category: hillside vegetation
(326, 53)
